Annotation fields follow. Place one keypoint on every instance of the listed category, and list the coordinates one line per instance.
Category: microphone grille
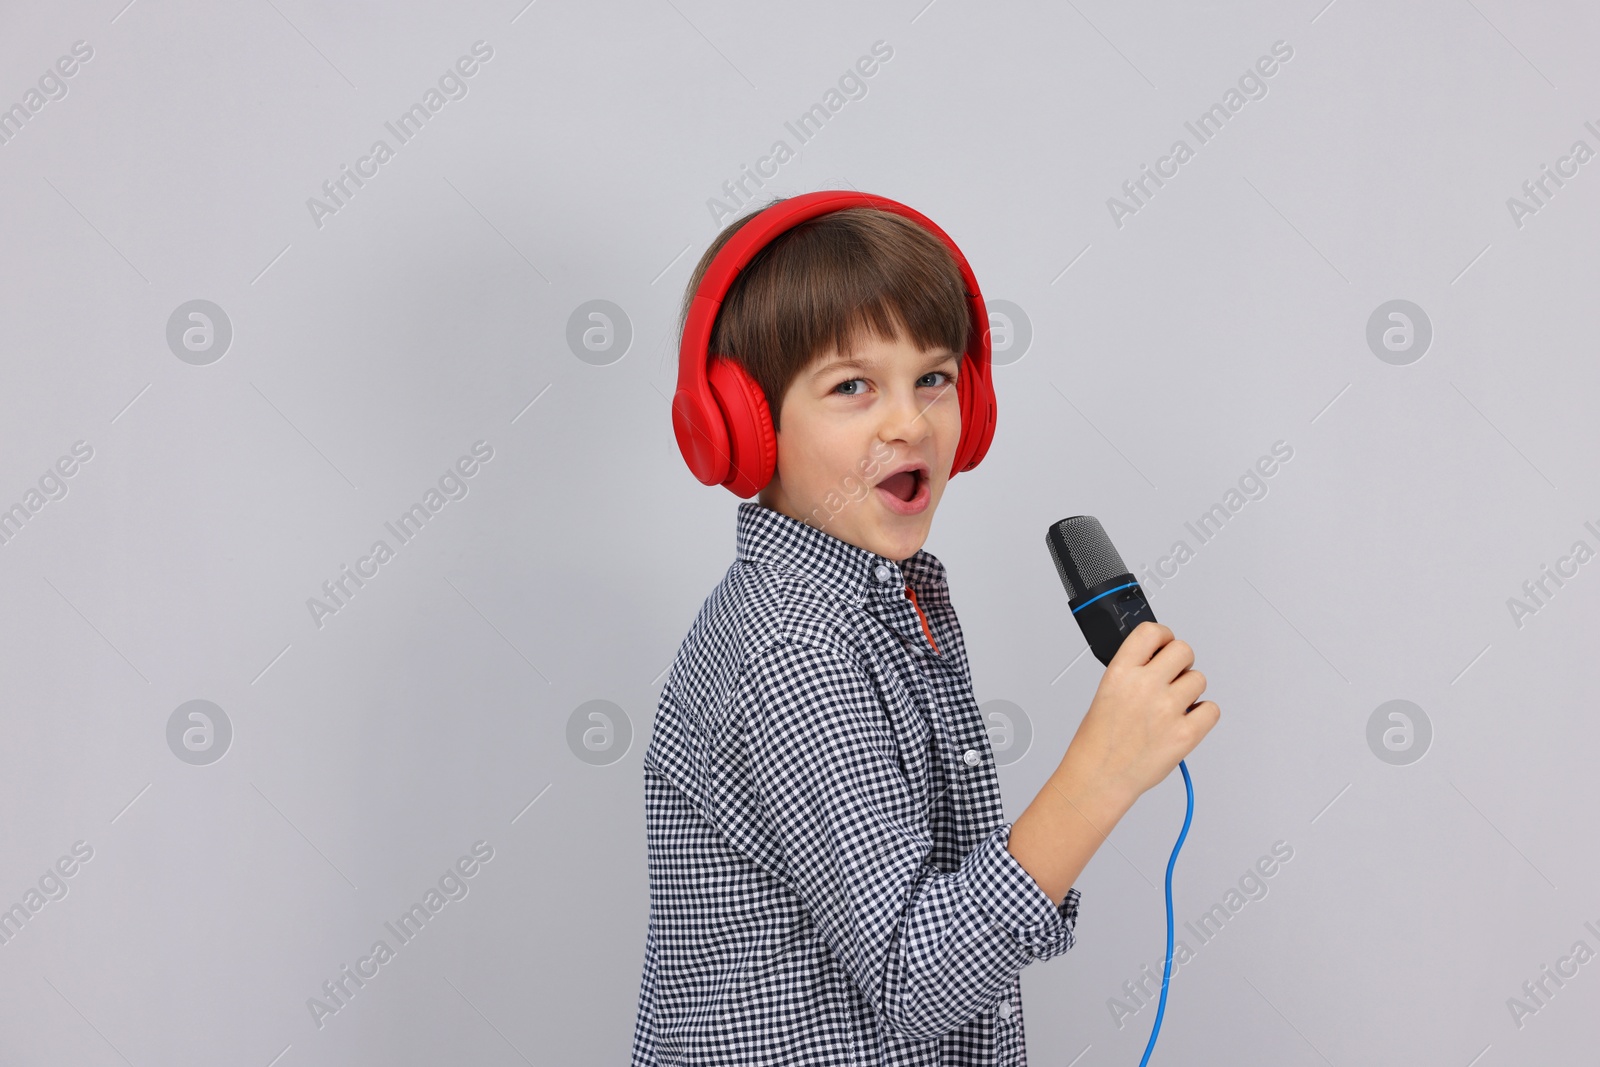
(1082, 553)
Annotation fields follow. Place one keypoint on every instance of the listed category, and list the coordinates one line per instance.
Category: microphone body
(1104, 596)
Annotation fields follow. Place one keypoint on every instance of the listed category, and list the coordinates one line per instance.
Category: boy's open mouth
(904, 484)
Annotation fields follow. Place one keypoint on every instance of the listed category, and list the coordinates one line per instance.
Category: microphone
(1104, 596)
(1107, 602)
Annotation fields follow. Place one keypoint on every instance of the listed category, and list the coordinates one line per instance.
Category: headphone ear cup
(988, 412)
(977, 421)
(753, 444)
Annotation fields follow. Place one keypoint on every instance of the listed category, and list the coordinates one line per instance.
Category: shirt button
(882, 573)
(970, 757)
(1005, 1009)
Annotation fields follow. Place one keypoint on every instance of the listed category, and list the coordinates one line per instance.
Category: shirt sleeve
(929, 949)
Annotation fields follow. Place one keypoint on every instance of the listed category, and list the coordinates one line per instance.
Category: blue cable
(1166, 971)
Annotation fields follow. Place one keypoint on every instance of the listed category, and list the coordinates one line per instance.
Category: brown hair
(822, 283)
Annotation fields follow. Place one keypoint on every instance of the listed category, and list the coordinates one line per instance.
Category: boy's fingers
(1141, 644)
(1189, 685)
(1204, 715)
(1174, 658)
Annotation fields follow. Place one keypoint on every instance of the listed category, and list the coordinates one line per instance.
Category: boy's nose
(905, 418)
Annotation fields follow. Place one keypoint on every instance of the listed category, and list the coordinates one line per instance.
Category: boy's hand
(1143, 718)
(1137, 728)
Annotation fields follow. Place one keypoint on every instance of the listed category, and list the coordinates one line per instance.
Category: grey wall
(350, 356)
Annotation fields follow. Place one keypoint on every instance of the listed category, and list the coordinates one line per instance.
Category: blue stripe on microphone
(1108, 592)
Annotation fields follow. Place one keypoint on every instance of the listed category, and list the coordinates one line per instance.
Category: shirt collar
(849, 571)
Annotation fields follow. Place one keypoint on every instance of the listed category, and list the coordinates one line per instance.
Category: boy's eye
(949, 379)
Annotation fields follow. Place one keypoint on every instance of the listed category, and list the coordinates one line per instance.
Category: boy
(831, 877)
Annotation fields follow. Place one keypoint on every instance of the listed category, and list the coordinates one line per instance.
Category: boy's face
(847, 427)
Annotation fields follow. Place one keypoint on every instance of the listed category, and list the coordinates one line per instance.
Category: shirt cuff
(1014, 902)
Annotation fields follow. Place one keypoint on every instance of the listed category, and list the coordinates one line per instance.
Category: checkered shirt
(829, 878)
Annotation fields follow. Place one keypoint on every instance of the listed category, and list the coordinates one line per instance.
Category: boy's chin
(896, 537)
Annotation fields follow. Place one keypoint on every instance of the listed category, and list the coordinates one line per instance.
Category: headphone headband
(729, 441)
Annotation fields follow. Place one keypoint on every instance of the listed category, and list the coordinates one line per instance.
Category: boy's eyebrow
(857, 363)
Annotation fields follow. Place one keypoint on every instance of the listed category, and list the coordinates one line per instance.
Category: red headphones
(719, 414)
